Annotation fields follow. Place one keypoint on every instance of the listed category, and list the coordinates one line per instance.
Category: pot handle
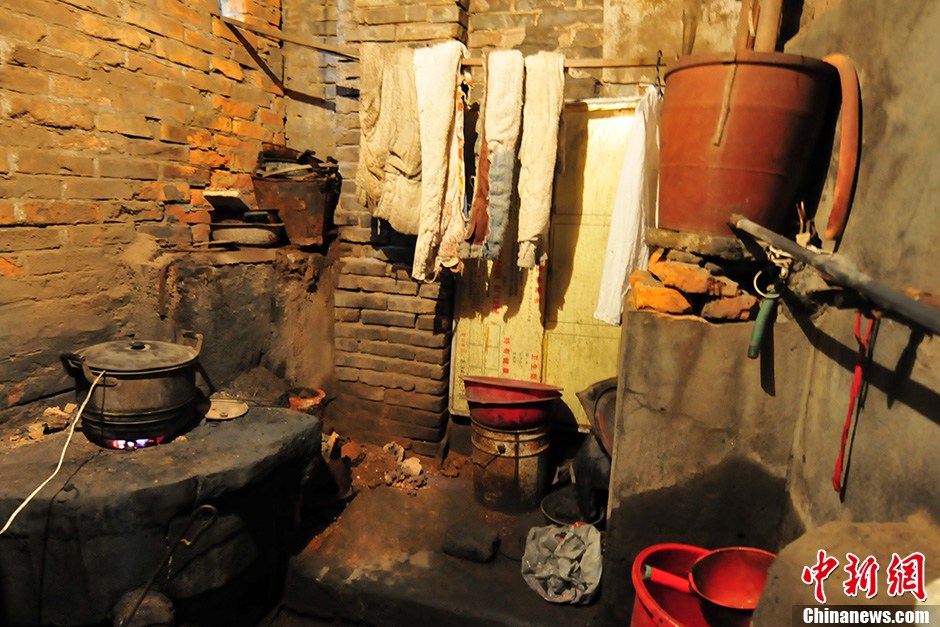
(195, 337)
(848, 145)
(77, 361)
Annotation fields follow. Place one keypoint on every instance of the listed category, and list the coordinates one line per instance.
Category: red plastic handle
(667, 579)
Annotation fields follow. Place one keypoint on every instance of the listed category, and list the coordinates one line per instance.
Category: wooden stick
(342, 51)
(768, 26)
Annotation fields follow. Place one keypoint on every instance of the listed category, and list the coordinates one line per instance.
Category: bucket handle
(78, 361)
(847, 174)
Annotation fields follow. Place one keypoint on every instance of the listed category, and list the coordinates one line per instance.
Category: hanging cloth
(400, 200)
(437, 80)
(502, 118)
(373, 138)
(633, 210)
(544, 97)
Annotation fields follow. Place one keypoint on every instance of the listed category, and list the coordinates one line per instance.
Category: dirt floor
(377, 556)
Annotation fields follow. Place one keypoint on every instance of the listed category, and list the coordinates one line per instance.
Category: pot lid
(137, 355)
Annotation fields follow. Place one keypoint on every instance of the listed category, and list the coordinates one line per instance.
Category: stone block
(741, 307)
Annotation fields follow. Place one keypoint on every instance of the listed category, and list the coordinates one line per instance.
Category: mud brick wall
(116, 115)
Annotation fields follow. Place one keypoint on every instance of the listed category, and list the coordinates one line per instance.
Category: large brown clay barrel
(737, 132)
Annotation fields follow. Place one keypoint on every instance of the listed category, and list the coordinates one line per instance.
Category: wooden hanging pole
(349, 52)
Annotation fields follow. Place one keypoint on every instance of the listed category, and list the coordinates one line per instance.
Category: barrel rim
(749, 57)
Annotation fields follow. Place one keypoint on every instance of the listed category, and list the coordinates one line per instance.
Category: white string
(29, 498)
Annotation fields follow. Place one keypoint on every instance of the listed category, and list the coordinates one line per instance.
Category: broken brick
(741, 307)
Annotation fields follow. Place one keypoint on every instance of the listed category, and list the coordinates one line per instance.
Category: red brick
(360, 300)
(200, 138)
(647, 293)
(60, 212)
(269, 118)
(227, 68)
(44, 60)
(340, 314)
(411, 305)
(62, 260)
(122, 167)
(20, 27)
(250, 129)
(153, 21)
(194, 175)
(741, 307)
(128, 36)
(177, 92)
(30, 238)
(99, 189)
(689, 278)
(53, 162)
(125, 124)
(361, 390)
(210, 44)
(201, 232)
(87, 48)
(9, 268)
(363, 266)
(100, 234)
(208, 158)
(234, 109)
(23, 79)
(158, 150)
(160, 191)
(39, 186)
(7, 213)
(174, 133)
(186, 14)
(51, 114)
(179, 52)
(383, 284)
(189, 217)
(428, 402)
(359, 332)
(101, 7)
(152, 67)
(418, 338)
(231, 180)
(389, 318)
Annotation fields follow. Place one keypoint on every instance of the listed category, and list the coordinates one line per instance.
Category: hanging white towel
(373, 138)
(400, 202)
(544, 96)
(437, 79)
(634, 207)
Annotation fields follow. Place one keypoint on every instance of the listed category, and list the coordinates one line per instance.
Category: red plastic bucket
(656, 604)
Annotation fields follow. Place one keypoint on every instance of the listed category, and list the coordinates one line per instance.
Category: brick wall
(115, 116)
(574, 27)
(392, 333)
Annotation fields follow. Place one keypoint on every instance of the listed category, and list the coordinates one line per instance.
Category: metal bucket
(510, 468)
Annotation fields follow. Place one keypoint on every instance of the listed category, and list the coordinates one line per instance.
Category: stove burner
(130, 445)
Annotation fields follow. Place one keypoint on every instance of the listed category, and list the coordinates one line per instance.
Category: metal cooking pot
(147, 392)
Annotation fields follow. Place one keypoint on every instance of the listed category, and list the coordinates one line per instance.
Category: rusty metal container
(510, 467)
(304, 204)
(737, 132)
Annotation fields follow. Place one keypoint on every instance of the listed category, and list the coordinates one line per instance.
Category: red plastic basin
(498, 390)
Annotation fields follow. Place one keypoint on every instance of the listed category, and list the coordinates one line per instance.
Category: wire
(58, 467)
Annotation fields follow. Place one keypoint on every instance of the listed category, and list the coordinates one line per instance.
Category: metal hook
(659, 82)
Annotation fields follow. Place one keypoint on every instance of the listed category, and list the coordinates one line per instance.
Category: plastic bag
(563, 562)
